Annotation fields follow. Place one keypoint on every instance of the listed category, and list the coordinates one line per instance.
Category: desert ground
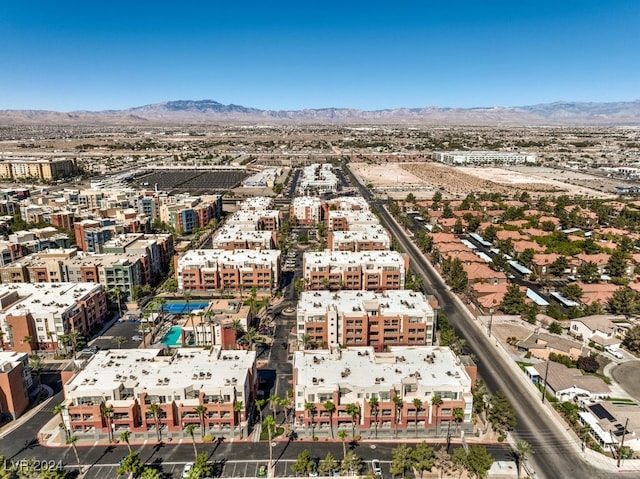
(423, 179)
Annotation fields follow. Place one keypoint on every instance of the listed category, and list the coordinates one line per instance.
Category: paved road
(554, 455)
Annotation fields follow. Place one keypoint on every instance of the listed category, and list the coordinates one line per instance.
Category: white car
(187, 467)
(614, 352)
(377, 469)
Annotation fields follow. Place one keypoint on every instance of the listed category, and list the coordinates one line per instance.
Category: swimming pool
(173, 338)
(180, 307)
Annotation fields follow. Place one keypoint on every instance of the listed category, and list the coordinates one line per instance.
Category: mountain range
(210, 111)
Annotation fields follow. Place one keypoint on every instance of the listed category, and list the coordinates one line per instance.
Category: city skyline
(73, 56)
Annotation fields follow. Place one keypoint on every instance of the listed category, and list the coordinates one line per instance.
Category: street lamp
(490, 320)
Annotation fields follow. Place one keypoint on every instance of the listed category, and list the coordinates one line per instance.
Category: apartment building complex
(15, 382)
(36, 316)
(364, 270)
(231, 237)
(190, 213)
(217, 269)
(355, 375)
(364, 318)
(133, 260)
(40, 168)
(306, 209)
(371, 237)
(318, 178)
(483, 157)
(130, 381)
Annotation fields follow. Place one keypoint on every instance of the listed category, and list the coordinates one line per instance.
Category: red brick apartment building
(365, 318)
(189, 386)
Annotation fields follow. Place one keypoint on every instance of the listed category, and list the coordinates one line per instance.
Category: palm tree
(124, 437)
(270, 425)
(59, 410)
(397, 403)
(353, 410)
(190, 428)
(259, 403)
(72, 339)
(238, 406)
(311, 409)
(154, 409)
(116, 294)
(274, 402)
(72, 443)
(106, 412)
(374, 407)
(201, 410)
(342, 434)
(417, 404)
(521, 450)
(306, 341)
(437, 402)
(250, 337)
(119, 340)
(35, 364)
(458, 416)
(331, 409)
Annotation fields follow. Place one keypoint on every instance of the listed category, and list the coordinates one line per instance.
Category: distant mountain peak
(560, 113)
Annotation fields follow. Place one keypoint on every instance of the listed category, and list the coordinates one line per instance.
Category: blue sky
(96, 55)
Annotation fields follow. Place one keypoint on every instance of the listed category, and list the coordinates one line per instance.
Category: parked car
(187, 467)
(614, 352)
(377, 468)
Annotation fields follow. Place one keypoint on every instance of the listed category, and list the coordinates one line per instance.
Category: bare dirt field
(423, 179)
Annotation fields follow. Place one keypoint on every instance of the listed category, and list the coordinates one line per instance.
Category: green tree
(458, 416)
(521, 451)
(259, 404)
(479, 461)
(303, 465)
(588, 272)
(106, 412)
(328, 465)
(374, 408)
(501, 415)
(201, 467)
(119, 340)
(442, 460)
(572, 292)
(617, 264)
(342, 435)
(489, 233)
(397, 411)
(330, 407)
(59, 410)
(270, 425)
(513, 301)
(631, 340)
(558, 267)
(436, 402)
(423, 458)
(155, 410)
(417, 407)
(624, 301)
(311, 409)
(353, 410)
(124, 437)
(352, 464)
(201, 410)
(402, 459)
(150, 473)
(555, 328)
(116, 295)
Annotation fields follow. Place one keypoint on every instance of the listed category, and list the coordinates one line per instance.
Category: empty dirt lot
(460, 181)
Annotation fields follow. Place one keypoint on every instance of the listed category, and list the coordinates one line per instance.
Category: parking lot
(201, 180)
(126, 329)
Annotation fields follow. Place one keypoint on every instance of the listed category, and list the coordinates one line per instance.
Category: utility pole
(546, 373)
(624, 432)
